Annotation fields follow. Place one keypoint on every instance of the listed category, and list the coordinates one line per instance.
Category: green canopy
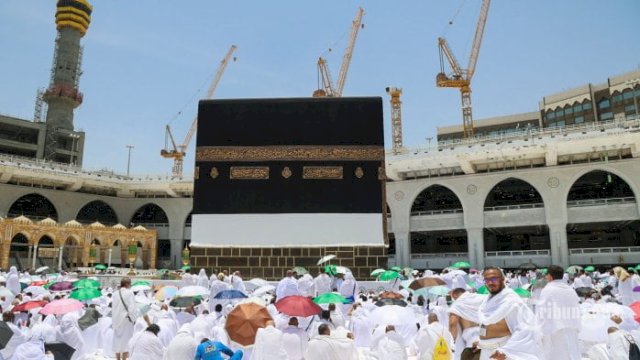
(522, 292)
(461, 265)
(86, 283)
(396, 268)
(388, 275)
(85, 294)
(100, 267)
(328, 298)
(590, 268)
(141, 282)
(330, 270)
(377, 272)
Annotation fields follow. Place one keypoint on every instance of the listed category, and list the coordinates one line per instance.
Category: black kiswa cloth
(60, 350)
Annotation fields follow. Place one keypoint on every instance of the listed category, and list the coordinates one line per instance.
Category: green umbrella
(141, 282)
(483, 290)
(573, 269)
(544, 271)
(186, 267)
(328, 298)
(331, 269)
(388, 275)
(100, 267)
(638, 267)
(590, 268)
(461, 265)
(522, 292)
(396, 268)
(48, 285)
(377, 272)
(86, 283)
(300, 270)
(85, 294)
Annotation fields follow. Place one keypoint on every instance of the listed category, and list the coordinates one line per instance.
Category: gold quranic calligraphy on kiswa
(290, 153)
(322, 172)
(249, 173)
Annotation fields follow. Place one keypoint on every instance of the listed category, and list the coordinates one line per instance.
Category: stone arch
(46, 240)
(436, 197)
(97, 210)
(150, 214)
(97, 242)
(33, 206)
(72, 251)
(513, 191)
(600, 183)
(19, 251)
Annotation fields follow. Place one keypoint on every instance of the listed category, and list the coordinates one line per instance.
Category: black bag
(634, 351)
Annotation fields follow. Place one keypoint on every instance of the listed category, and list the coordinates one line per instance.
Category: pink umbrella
(62, 306)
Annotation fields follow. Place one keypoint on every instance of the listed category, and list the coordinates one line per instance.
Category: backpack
(634, 351)
(441, 350)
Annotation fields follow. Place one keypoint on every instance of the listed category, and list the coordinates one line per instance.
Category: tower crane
(328, 89)
(461, 78)
(178, 152)
(396, 118)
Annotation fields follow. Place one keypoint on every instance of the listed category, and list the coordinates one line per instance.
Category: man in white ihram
(323, 346)
(124, 314)
(558, 312)
(288, 286)
(269, 345)
(322, 283)
(507, 326)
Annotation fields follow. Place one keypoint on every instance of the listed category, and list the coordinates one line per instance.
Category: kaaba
(280, 183)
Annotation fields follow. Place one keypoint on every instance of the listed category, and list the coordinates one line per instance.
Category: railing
(514, 207)
(436, 212)
(517, 253)
(609, 250)
(153, 225)
(439, 255)
(597, 202)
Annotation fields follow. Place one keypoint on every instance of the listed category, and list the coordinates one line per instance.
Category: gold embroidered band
(322, 172)
(249, 172)
(290, 153)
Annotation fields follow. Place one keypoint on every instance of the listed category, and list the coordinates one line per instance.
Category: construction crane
(328, 89)
(461, 78)
(178, 152)
(396, 119)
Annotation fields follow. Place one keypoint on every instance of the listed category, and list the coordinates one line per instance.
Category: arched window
(34, 206)
(512, 192)
(97, 211)
(436, 199)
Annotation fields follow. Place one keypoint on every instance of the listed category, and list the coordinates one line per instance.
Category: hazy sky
(147, 62)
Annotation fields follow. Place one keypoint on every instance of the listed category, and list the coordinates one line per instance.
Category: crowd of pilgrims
(582, 315)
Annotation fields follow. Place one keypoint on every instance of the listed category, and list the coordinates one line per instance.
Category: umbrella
(61, 351)
(377, 272)
(390, 301)
(29, 305)
(388, 275)
(638, 267)
(186, 301)
(255, 300)
(573, 269)
(89, 318)
(324, 259)
(100, 267)
(166, 292)
(439, 290)
(185, 268)
(426, 282)
(330, 269)
(5, 334)
(263, 290)
(296, 305)
(258, 282)
(60, 286)
(636, 289)
(244, 321)
(590, 268)
(483, 290)
(396, 268)
(3, 279)
(193, 290)
(392, 315)
(328, 298)
(585, 291)
(6, 293)
(390, 295)
(461, 265)
(60, 307)
(42, 269)
(528, 266)
(636, 310)
(300, 270)
(86, 283)
(136, 288)
(84, 294)
(342, 270)
(230, 294)
(522, 292)
(35, 290)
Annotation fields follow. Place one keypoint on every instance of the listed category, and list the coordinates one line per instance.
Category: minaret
(63, 96)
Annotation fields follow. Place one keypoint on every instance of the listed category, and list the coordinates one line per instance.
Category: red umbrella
(29, 305)
(61, 286)
(60, 307)
(636, 309)
(298, 306)
(390, 295)
(39, 283)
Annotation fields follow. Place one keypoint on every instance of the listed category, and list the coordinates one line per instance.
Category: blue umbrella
(230, 294)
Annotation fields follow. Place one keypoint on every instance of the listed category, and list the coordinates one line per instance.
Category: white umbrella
(257, 282)
(41, 269)
(263, 290)
(35, 290)
(392, 315)
(136, 288)
(254, 299)
(3, 279)
(6, 293)
(193, 290)
(325, 259)
(342, 270)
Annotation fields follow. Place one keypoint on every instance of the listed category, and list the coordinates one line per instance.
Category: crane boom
(348, 53)
(477, 39)
(455, 66)
(327, 83)
(179, 151)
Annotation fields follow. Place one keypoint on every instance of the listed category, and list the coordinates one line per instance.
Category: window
(568, 110)
(628, 95)
(606, 116)
(579, 119)
(587, 106)
(551, 116)
(577, 108)
(560, 123)
(630, 109)
(617, 98)
(559, 113)
(604, 104)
